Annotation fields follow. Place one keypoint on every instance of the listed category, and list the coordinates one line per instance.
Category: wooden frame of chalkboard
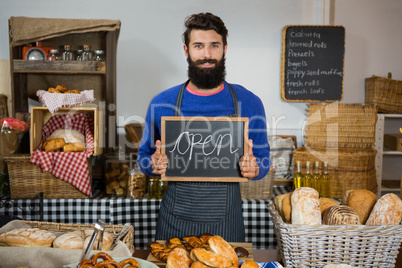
(204, 148)
(312, 62)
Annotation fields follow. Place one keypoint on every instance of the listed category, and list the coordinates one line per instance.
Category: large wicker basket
(259, 189)
(318, 245)
(350, 169)
(114, 230)
(28, 180)
(341, 125)
(386, 93)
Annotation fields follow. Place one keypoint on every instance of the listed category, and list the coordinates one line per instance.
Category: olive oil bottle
(298, 177)
(308, 178)
(317, 177)
(325, 182)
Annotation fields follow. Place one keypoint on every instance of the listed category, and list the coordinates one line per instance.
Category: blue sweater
(220, 104)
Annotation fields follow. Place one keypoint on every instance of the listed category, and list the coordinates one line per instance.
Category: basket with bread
(358, 230)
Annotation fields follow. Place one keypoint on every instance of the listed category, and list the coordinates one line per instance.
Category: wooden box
(40, 115)
(393, 141)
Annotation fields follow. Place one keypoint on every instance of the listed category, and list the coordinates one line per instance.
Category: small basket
(350, 169)
(386, 93)
(341, 125)
(28, 180)
(259, 189)
(114, 230)
(319, 245)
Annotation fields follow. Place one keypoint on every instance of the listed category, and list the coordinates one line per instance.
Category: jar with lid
(78, 54)
(99, 55)
(53, 55)
(68, 54)
(87, 54)
(136, 184)
(154, 188)
(116, 177)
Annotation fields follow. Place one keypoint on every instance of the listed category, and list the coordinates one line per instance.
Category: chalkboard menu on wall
(312, 63)
(204, 148)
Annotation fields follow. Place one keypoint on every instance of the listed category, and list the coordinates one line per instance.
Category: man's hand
(159, 161)
(248, 163)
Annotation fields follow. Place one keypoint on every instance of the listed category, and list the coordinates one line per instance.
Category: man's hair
(204, 21)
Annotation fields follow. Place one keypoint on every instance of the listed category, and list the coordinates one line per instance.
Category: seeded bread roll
(33, 237)
(387, 210)
(340, 215)
(362, 201)
(305, 206)
(326, 203)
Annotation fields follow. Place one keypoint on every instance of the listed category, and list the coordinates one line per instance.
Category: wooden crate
(40, 115)
(393, 141)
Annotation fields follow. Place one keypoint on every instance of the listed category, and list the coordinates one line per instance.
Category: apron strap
(179, 100)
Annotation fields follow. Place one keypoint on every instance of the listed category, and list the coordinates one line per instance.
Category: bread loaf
(362, 201)
(278, 204)
(305, 206)
(340, 215)
(387, 210)
(33, 237)
(287, 208)
(53, 144)
(79, 239)
(345, 197)
(326, 203)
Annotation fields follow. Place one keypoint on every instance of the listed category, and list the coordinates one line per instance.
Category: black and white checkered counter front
(141, 213)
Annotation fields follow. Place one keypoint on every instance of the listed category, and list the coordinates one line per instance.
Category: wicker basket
(28, 180)
(386, 93)
(341, 126)
(260, 189)
(349, 169)
(114, 230)
(318, 245)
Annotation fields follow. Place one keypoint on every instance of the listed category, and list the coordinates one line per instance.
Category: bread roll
(79, 239)
(178, 258)
(326, 203)
(221, 247)
(69, 135)
(33, 237)
(340, 215)
(74, 147)
(305, 206)
(387, 210)
(53, 144)
(362, 201)
(249, 264)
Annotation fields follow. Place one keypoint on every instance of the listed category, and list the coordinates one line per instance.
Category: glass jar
(116, 178)
(78, 54)
(99, 55)
(53, 55)
(154, 188)
(87, 54)
(136, 184)
(68, 54)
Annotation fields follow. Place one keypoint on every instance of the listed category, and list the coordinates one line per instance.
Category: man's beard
(206, 78)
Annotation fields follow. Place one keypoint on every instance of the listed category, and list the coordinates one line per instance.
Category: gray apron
(194, 208)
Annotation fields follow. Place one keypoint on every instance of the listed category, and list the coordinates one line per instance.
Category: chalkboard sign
(204, 148)
(312, 63)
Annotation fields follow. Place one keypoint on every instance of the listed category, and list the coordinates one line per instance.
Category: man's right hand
(159, 161)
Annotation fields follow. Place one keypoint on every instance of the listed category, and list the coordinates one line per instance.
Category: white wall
(150, 55)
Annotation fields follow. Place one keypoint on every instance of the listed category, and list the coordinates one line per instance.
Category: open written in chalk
(204, 148)
(312, 63)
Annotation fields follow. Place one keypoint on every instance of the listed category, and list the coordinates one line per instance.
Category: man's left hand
(248, 163)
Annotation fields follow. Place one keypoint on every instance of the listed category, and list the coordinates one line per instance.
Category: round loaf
(362, 201)
(79, 239)
(32, 237)
(305, 206)
(106, 243)
(221, 247)
(387, 210)
(340, 215)
(249, 264)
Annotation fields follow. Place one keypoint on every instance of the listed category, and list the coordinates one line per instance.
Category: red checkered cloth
(54, 101)
(71, 167)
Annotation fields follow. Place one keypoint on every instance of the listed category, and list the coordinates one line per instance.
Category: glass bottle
(99, 55)
(87, 54)
(136, 184)
(308, 179)
(78, 55)
(298, 178)
(68, 54)
(325, 182)
(53, 55)
(317, 178)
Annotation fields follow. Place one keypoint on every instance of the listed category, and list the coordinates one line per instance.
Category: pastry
(177, 258)
(210, 258)
(53, 144)
(249, 264)
(221, 247)
(387, 210)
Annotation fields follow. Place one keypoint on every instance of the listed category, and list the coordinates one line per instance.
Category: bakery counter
(141, 213)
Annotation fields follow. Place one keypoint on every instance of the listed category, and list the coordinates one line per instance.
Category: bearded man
(194, 208)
